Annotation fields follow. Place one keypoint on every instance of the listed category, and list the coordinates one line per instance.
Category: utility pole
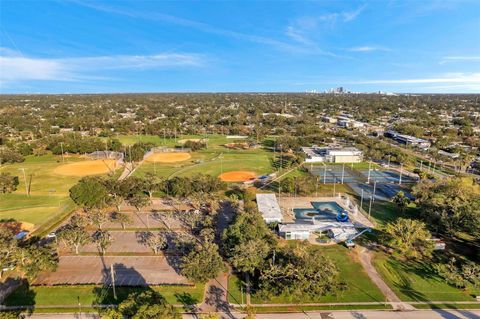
(316, 188)
(374, 188)
(63, 158)
(389, 156)
(343, 172)
(25, 181)
(421, 164)
(113, 282)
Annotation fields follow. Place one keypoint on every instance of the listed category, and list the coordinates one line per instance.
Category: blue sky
(215, 46)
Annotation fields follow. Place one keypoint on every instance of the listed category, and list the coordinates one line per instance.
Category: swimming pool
(320, 210)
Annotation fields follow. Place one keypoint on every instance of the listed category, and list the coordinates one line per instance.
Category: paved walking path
(365, 257)
(359, 314)
(216, 297)
(128, 170)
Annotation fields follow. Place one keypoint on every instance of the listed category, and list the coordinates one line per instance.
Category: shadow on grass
(188, 301)
(22, 297)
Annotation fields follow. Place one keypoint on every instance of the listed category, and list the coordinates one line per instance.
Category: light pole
(369, 170)
(374, 188)
(400, 177)
(25, 181)
(316, 188)
(361, 200)
(334, 186)
(370, 207)
(324, 173)
(343, 172)
(61, 146)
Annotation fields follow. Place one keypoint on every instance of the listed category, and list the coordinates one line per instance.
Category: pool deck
(287, 204)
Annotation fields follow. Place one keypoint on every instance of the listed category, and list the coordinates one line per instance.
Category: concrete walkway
(127, 171)
(357, 314)
(365, 257)
(216, 297)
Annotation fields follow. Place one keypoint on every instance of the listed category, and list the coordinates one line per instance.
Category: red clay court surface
(129, 271)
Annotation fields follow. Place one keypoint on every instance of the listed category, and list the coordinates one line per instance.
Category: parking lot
(128, 271)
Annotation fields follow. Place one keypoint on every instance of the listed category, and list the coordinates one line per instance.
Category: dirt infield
(168, 157)
(237, 176)
(85, 168)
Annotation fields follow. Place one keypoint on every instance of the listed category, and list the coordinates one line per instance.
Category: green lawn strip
(234, 290)
(286, 309)
(359, 286)
(448, 306)
(418, 282)
(60, 296)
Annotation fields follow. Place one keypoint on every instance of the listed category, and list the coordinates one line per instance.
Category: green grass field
(418, 282)
(360, 288)
(48, 191)
(214, 160)
(87, 295)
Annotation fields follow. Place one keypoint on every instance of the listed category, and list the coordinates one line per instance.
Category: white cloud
(367, 48)
(345, 16)
(448, 59)
(18, 68)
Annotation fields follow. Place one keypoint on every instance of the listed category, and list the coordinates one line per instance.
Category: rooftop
(268, 207)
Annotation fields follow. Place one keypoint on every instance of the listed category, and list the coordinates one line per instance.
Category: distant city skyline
(236, 46)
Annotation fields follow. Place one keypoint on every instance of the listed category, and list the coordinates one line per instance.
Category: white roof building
(332, 155)
(269, 208)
